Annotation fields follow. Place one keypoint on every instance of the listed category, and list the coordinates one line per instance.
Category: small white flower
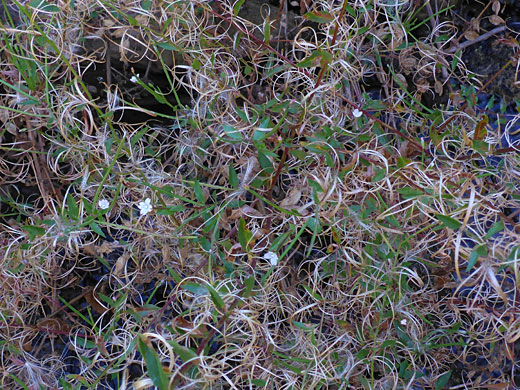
(403, 322)
(272, 258)
(357, 113)
(103, 204)
(145, 207)
(134, 78)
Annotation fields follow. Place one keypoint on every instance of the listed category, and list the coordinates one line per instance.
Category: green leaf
(482, 250)
(146, 4)
(403, 162)
(84, 343)
(136, 137)
(478, 251)
(233, 177)
(497, 227)
(232, 133)
(317, 58)
(388, 343)
(131, 20)
(403, 336)
(95, 228)
(199, 194)
(314, 224)
(186, 354)
(379, 175)
(409, 193)
(196, 289)
(264, 161)
(20, 383)
(449, 222)
(196, 64)
(249, 284)
(480, 146)
(216, 298)
(264, 130)
(33, 231)
(319, 17)
(153, 364)
(261, 383)
(480, 128)
(363, 353)
(296, 370)
(237, 6)
(455, 60)
(73, 207)
(315, 185)
(393, 221)
(473, 257)
(443, 381)
(491, 102)
(171, 210)
(304, 326)
(168, 46)
(44, 6)
(313, 293)
(352, 11)
(244, 235)
(267, 29)
(280, 240)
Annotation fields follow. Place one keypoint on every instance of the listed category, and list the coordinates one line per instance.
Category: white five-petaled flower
(404, 322)
(272, 258)
(134, 78)
(145, 207)
(357, 113)
(103, 204)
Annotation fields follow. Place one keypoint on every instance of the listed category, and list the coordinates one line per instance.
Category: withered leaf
(471, 35)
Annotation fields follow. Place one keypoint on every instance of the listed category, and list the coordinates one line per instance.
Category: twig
(483, 37)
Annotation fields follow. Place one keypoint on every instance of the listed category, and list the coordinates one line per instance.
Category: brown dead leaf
(405, 150)
(497, 386)
(94, 303)
(54, 324)
(304, 6)
(438, 88)
(471, 35)
(102, 346)
(402, 80)
(143, 19)
(166, 253)
(187, 326)
(408, 63)
(398, 35)
(247, 211)
(422, 85)
(496, 20)
(509, 351)
(104, 248)
(90, 250)
(108, 22)
(293, 197)
(474, 25)
(120, 264)
(496, 7)
(456, 98)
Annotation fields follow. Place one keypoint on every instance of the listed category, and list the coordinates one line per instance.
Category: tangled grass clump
(222, 194)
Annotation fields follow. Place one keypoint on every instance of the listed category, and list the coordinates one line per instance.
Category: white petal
(357, 113)
(145, 206)
(271, 257)
(103, 204)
